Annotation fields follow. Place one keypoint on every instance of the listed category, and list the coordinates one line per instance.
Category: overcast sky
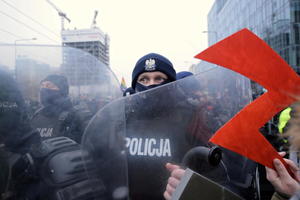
(172, 28)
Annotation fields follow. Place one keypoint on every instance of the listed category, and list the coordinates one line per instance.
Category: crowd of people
(41, 155)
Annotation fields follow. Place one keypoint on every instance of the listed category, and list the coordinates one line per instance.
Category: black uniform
(58, 117)
(54, 121)
(16, 135)
(31, 169)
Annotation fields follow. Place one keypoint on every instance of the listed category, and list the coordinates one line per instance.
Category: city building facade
(92, 40)
(277, 22)
(274, 21)
(83, 63)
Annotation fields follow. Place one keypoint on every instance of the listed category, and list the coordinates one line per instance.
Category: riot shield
(84, 85)
(167, 123)
(104, 144)
(57, 168)
(89, 79)
(91, 82)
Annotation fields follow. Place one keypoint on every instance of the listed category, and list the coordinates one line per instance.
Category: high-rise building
(275, 21)
(92, 40)
(82, 70)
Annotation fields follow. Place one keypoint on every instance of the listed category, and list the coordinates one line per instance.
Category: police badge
(150, 65)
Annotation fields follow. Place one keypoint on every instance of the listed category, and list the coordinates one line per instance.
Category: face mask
(140, 88)
(48, 96)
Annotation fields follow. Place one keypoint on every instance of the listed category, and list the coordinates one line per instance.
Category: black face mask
(49, 97)
(140, 88)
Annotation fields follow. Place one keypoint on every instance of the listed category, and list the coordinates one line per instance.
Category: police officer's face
(151, 78)
(49, 85)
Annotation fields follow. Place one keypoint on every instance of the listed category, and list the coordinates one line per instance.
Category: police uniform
(157, 134)
(32, 169)
(70, 122)
(58, 117)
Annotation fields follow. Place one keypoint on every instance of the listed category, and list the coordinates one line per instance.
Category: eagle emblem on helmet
(150, 65)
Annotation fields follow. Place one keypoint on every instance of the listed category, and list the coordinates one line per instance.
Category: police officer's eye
(160, 79)
(142, 79)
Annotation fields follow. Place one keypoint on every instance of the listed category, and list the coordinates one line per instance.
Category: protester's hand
(173, 181)
(281, 179)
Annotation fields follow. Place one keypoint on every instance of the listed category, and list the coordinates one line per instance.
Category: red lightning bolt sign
(245, 53)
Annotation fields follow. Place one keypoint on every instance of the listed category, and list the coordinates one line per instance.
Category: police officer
(183, 74)
(31, 169)
(16, 135)
(15, 130)
(150, 71)
(58, 117)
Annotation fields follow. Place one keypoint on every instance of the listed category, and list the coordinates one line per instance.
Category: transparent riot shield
(90, 80)
(89, 85)
(55, 167)
(173, 123)
(104, 144)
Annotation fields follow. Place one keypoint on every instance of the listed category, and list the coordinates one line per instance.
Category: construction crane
(94, 19)
(61, 14)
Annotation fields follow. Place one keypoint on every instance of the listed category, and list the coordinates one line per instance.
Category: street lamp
(25, 39)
